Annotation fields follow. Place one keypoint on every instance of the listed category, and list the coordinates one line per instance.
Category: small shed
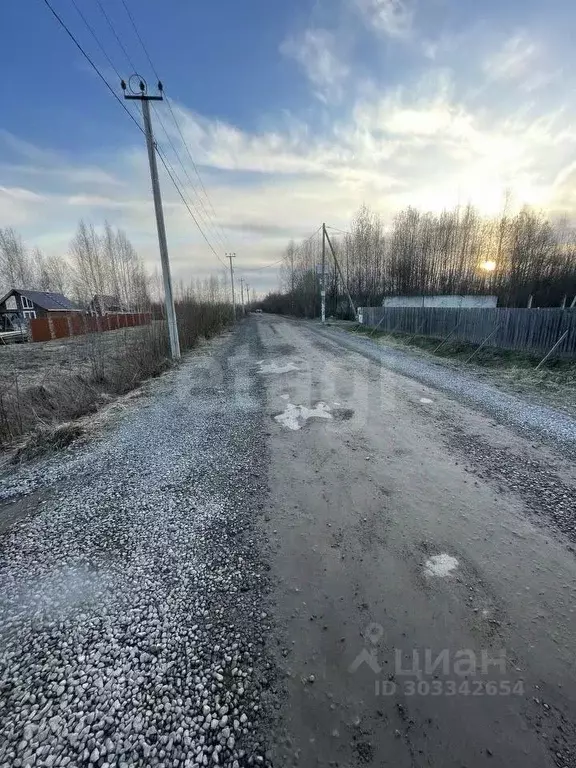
(20, 305)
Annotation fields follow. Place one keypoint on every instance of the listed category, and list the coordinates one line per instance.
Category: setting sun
(488, 266)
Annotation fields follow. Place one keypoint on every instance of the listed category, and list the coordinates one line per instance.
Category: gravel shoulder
(533, 418)
(130, 593)
(516, 374)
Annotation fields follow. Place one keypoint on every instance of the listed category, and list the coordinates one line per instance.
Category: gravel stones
(553, 425)
(539, 485)
(130, 630)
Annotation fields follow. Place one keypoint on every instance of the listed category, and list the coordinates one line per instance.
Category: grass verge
(45, 387)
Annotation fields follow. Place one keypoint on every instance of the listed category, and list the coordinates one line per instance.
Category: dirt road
(286, 553)
(374, 499)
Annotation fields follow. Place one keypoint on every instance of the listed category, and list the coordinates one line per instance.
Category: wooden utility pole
(323, 276)
(242, 292)
(231, 256)
(292, 276)
(345, 284)
(143, 97)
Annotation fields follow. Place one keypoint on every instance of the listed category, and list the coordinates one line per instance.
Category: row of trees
(97, 263)
(519, 257)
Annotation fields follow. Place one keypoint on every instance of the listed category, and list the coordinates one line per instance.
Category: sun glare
(488, 266)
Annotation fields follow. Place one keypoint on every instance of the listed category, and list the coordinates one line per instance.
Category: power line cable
(196, 171)
(90, 61)
(176, 123)
(95, 36)
(342, 231)
(303, 243)
(140, 39)
(266, 266)
(206, 219)
(131, 62)
(172, 174)
(118, 40)
(99, 44)
(164, 161)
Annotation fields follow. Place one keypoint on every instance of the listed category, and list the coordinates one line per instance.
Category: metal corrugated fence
(46, 328)
(527, 330)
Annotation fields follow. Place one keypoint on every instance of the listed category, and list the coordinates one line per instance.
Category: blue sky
(294, 112)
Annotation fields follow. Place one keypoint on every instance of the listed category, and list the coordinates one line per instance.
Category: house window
(26, 303)
(29, 315)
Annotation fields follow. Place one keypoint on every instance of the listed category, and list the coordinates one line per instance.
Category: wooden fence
(62, 326)
(525, 330)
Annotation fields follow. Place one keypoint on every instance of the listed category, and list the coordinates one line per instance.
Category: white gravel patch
(277, 367)
(130, 603)
(294, 417)
(440, 565)
(426, 400)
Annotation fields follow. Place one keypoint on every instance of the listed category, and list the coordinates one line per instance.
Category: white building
(460, 302)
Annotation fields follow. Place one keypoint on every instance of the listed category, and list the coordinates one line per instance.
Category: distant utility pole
(248, 293)
(292, 278)
(354, 312)
(231, 256)
(142, 96)
(242, 292)
(323, 278)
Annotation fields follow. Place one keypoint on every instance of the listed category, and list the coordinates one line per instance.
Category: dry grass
(43, 385)
(45, 439)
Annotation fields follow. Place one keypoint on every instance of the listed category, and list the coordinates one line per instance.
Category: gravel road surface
(289, 552)
(131, 626)
(535, 419)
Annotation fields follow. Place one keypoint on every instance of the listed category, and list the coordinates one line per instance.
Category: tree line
(96, 263)
(522, 258)
(99, 262)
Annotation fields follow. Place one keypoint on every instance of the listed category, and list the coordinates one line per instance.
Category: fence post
(560, 340)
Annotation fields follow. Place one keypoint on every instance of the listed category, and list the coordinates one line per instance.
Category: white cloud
(425, 143)
(88, 175)
(393, 18)
(514, 60)
(18, 204)
(18, 193)
(316, 52)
